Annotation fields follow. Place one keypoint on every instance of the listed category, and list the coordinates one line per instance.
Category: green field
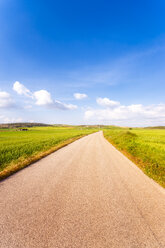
(146, 147)
(20, 148)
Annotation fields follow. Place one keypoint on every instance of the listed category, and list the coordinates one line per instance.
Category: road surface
(85, 195)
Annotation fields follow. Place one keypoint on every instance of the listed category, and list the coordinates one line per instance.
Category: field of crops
(146, 147)
(20, 148)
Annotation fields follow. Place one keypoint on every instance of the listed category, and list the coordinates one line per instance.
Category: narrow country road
(84, 195)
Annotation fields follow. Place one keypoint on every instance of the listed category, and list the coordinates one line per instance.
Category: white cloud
(106, 102)
(5, 100)
(21, 89)
(135, 115)
(80, 96)
(41, 97)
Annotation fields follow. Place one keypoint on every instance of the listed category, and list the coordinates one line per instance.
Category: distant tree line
(23, 124)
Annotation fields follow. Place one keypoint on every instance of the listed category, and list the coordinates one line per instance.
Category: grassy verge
(19, 149)
(145, 147)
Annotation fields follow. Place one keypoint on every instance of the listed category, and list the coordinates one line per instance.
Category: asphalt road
(85, 195)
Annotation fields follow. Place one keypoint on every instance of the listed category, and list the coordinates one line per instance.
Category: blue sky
(82, 62)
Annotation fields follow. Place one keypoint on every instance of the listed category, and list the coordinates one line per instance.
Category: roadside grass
(19, 149)
(145, 147)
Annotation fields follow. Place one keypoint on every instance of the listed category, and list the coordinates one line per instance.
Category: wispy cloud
(131, 67)
(80, 96)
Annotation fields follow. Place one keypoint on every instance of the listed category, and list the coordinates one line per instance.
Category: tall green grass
(16, 147)
(146, 147)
